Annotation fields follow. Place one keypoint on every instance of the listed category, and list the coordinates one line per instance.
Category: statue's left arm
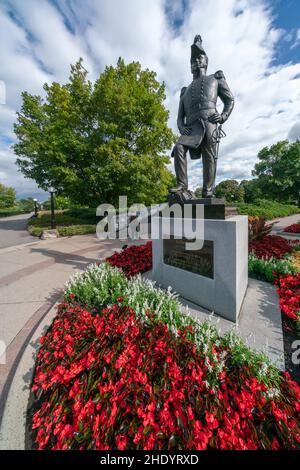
(225, 95)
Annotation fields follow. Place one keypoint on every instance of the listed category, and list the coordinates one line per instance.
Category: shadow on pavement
(71, 259)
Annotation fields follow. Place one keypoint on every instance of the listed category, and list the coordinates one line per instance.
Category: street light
(53, 221)
(35, 207)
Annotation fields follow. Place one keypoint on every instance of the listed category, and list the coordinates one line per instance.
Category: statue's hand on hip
(216, 118)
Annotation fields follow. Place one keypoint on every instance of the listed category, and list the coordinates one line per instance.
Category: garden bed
(69, 222)
(123, 368)
(268, 209)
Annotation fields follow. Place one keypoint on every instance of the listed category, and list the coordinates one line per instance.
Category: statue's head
(199, 59)
(198, 63)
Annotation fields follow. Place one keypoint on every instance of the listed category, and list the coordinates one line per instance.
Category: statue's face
(199, 63)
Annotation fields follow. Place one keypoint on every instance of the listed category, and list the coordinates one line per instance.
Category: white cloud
(36, 45)
(296, 38)
(294, 133)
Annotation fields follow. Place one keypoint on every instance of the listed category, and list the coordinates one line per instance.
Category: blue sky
(255, 42)
(287, 17)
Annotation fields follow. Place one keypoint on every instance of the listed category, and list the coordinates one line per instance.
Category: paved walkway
(281, 222)
(13, 231)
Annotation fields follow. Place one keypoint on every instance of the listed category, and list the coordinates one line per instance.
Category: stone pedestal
(215, 276)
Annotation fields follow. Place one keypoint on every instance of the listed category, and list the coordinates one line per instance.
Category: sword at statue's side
(219, 134)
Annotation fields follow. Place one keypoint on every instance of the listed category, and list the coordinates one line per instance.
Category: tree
(27, 204)
(7, 196)
(252, 190)
(230, 190)
(198, 192)
(278, 171)
(94, 142)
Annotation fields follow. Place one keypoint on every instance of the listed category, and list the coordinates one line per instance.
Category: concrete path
(13, 231)
(282, 222)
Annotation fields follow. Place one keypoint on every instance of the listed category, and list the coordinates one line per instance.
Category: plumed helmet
(196, 48)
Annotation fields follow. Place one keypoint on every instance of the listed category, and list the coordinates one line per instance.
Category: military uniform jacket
(197, 103)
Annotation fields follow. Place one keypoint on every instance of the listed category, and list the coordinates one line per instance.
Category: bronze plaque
(196, 261)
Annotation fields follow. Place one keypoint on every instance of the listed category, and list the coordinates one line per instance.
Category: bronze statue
(200, 124)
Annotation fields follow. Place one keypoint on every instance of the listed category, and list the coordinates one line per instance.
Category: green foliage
(7, 196)
(66, 218)
(10, 211)
(198, 192)
(264, 269)
(267, 209)
(68, 231)
(94, 142)
(104, 285)
(230, 190)
(63, 202)
(76, 230)
(278, 171)
(37, 231)
(26, 205)
(69, 222)
(252, 190)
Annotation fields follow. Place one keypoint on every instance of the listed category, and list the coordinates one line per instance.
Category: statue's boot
(178, 189)
(207, 195)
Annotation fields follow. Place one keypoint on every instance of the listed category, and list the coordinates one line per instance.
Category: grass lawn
(268, 209)
(69, 222)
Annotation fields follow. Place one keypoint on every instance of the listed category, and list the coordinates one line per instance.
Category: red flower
(134, 385)
(133, 260)
(121, 442)
(271, 246)
(294, 228)
(212, 422)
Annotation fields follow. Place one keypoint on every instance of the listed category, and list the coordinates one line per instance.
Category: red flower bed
(106, 381)
(272, 246)
(294, 228)
(289, 295)
(133, 260)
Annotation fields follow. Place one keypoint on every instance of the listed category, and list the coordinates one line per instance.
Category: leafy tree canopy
(278, 171)
(7, 196)
(230, 190)
(198, 192)
(26, 204)
(252, 190)
(94, 142)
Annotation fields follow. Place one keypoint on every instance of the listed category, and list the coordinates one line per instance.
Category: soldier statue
(200, 123)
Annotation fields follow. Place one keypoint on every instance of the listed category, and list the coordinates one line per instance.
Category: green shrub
(9, 211)
(36, 231)
(68, 231)
(66, 218)
(76, 230)
(78, 221)
(268, 209)
(263, 269)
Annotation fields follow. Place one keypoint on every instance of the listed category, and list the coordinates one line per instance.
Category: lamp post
(35, 207)
(53, 221)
